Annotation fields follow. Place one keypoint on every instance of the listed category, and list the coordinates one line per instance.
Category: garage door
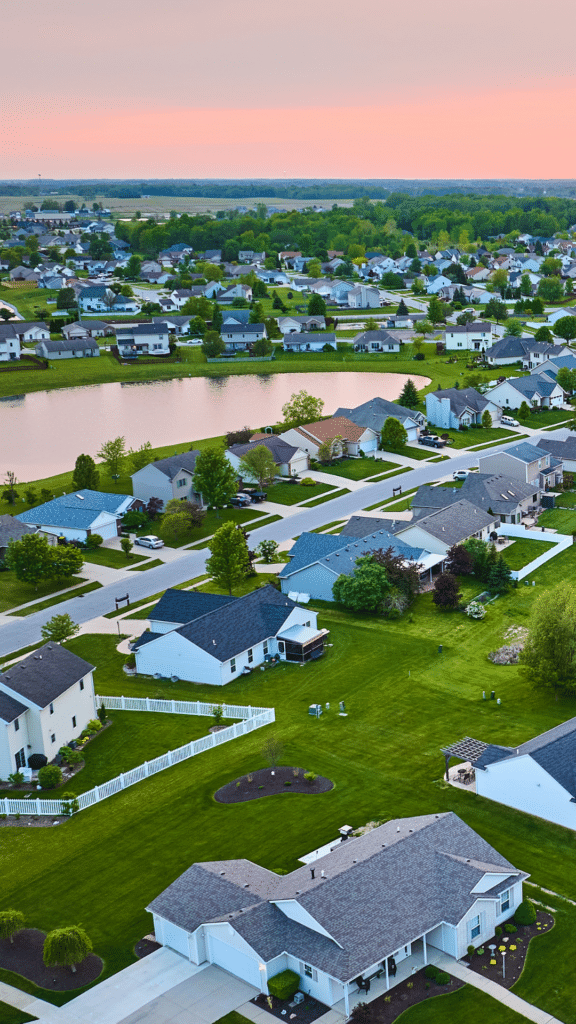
(107, 531)
(233, 961)
(176, 938)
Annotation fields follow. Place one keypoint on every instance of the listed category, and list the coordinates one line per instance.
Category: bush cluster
(526, 913)
(284, 985)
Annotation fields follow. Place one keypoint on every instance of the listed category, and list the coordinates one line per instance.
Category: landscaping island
(270, 782)
(24, 956)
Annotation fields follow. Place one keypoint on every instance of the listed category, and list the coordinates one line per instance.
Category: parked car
(461, 474)
(509, 421)
(150, 541)
(257, 496)
(432, 441)
(240, 500)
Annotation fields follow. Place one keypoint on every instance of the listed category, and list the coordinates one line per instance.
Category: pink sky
(181, 88)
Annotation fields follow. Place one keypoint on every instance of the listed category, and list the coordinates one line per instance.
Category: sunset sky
(183, 89)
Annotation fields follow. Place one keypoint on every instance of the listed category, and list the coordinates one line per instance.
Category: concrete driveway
(202, 999)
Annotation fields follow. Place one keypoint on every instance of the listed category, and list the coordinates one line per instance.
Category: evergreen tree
(409, 395)
(500, 576)
(402, 309)
(214, 477)
(85, 476)
(217, 318)
(229, 561)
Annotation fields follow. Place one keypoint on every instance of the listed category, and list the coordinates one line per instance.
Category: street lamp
(503, 963)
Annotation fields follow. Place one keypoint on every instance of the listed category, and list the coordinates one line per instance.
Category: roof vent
(246, 885)
(398, 829)
(322, 874)
(222, 872)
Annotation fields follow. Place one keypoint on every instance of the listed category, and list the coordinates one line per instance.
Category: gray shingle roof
(279, 449)
(341, 559)
(417, 872)
(10, 709)
(554, 751)
(308, 549)
(454, 524)
(375, 412)
(561, 449)
(498, 492)
(537, 384)
(184, 605)
(12, 529)
(45, 674)
(174, 463)
(140, 330)
(62, 345)
(243, 623)
(73, 511)
(526, 452)
(462, 399)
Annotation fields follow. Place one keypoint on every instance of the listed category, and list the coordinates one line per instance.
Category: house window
(182, 482)
(20, 758)
(73, 721)
(475, 927)
(53, 738)
(81, 684)
(51, 709)
(232, 664)
(504, 901)
(250, 656)
(308, 971)
(16, 725)
(265, 647)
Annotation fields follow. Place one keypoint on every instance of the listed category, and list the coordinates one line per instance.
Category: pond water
(43, 433)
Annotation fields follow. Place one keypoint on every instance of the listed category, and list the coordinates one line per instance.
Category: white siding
(522, 783)
(172, 936)
(151, 483)
(316, 580)
(173, 655)
(11, 741)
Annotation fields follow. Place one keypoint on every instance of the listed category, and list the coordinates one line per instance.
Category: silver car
(149, 542)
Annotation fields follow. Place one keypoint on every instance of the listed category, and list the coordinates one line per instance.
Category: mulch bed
(388, 1007)
(304, 1013)
(146, 946)
(24, 957)
(270, 782)
(32, 820)
(514, 957)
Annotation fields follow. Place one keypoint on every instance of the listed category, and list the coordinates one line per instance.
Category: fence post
(122, 780)
(37, 805)
(146, 764)
(147, 703)
(173, 703)
(249, 711)
(97, 794)
(123, 704)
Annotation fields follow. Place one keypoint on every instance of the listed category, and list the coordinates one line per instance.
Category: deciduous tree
(59, 628)
(446, 593)
(85, 475)
(11, 921)
(458, 561)
(10, 482)
(113, 454)
(258, 464)
(393, 435)
(30, 558)
(229, 561)
(140, 457)
(549, 655)
(365, 589)
(214, 477)
(486, 419)
(66, 947)
(213, 345)
(316, 306)
(302, 408)
(565, 328)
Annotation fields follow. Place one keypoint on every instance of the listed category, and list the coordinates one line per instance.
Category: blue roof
(77, 510)
(309, 548)
(535, 384)
(526, 452)
(340, 553)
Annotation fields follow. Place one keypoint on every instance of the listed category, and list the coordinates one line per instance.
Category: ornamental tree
(213, 345)
(66, 947)
(30, 558)
(229, 561)
(11, 921)
(565, 327)
(59, 628)
(393, 435)
(258, 464)
(446, 593)
(214, 477)
(85, 475)
(113, 454)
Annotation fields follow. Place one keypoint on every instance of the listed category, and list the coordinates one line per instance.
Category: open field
(404, 700)
(160, 206)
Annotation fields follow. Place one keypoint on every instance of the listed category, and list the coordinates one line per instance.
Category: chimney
(323, 874)
(312, 870)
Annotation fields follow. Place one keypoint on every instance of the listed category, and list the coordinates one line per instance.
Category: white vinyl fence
(252, 718)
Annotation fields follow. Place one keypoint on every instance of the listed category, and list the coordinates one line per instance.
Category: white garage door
(107, 531)
(233, 961)
(176, 938)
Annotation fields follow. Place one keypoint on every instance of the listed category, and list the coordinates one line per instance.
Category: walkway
(491, 988)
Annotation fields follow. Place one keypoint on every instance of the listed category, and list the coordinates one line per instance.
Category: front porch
(422, 954)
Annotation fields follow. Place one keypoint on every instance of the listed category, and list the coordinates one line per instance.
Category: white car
(149, 542)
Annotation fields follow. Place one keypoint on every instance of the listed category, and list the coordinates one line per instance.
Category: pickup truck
(432, 441)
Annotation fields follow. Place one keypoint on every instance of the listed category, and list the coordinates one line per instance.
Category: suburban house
(376, 341)
(12, 530)
(240, 337)
(75, 516)
(45, 701)
(30, 330)
(526, 462)
(308, 342)
(167, 478)
(363, 297)
(86, 329)
(436, 883)
(552, 364)
(563, 450)
(143, 339)
(526, 351)
(296, 324)
(440, 530)
(290, 459)
(9, 343)
(96, 299)
(536, 777)
(473, 337)
(375, 412)
(537, 390)
(355, 440)
(317, 560)
(177, 607)
(458, 407)
(506, 498)
(236, 291)
(78, 348)
(221, 642)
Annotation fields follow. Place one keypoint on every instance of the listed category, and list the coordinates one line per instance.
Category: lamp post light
(503, 963)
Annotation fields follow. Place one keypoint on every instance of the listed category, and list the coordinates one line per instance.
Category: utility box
(315, 710)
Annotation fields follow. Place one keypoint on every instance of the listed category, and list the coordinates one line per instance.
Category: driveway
(203, 999)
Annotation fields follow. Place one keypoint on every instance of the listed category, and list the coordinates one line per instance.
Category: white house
(45, 701)
(440, 530)
(376, 341)
(296, 324)
(456, 407)
(30, 330)
(240, 337)
(218, 645)
(363, 297)
(305, 342)
(376, 411)
(75, 516)
(290, 459)
(355, 440)
(402, 892)
(143, 339)
(564, 451)
(537, 390)
(473, 337)
(9, 343)
(167, 478)
(436, 284)
(61, 348)
(96, 299)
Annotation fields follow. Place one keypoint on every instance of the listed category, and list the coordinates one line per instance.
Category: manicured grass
(545, 417)
(523, 551)
(79, 592)
(326, 497)
(230, 1018)
(513, 437)
(125, 611)
(111, 557)
(469, 438)
(566, 500)
(357, 469)
(10, 1015)
(395, 472)
(559, 519)
(292, 494)
(213, 519)
(384, 758)
(29, 301)
(14, 593)
(547, 979)
(143, 566)
(466, 1004)
(421, 453)
(260, 579)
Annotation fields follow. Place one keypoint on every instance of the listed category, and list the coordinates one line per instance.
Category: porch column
(346, 1001)
(386, 970)
(424, 948)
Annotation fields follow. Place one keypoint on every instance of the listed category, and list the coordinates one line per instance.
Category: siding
(316, 580)
(523, 784)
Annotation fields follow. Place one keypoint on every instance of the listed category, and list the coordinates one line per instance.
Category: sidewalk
(491, 988)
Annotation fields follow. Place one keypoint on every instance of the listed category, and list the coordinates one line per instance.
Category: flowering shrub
(475, 610)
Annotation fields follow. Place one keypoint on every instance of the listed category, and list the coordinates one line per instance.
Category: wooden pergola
(468, 749)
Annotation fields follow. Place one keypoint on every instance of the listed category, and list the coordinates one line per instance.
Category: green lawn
(524, 551)
(58, 600)
(420, 453)
(326, 497)
(143, 566)
(249, 584)
(566, 500)
(396, 472)
(14, 593)
(357, 469)
(545, 417)
(384, 758)
(112, 558)
(467, 1004)
(10, 1015)
(211, 522)
(559, 519)
(468, 438)
(291, 494)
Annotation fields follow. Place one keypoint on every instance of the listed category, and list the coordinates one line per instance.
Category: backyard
(523, 551)
(405, 701)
